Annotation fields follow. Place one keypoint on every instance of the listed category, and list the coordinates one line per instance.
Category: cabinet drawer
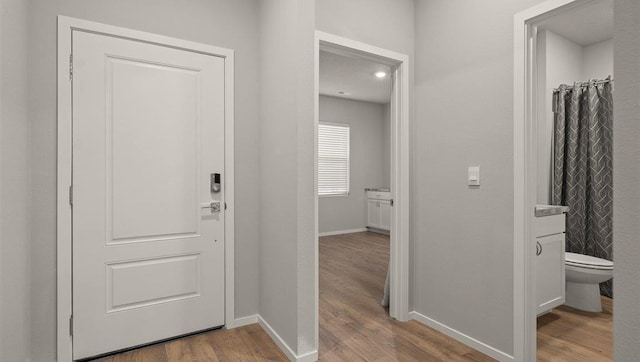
(379, 195)
(549, 225)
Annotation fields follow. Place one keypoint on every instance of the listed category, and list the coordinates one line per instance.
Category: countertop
(548, 210)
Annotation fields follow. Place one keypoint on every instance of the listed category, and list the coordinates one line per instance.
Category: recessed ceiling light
(380, 74)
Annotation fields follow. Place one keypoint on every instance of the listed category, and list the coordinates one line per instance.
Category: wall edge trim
(340, 232)
(461, 337)
(284, 347)
(245, 321)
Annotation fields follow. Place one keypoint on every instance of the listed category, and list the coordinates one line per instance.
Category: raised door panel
(550, 272)
(373, 213)
(385, 215)
(148, 199)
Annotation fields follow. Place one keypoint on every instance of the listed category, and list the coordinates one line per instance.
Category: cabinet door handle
(538, 248)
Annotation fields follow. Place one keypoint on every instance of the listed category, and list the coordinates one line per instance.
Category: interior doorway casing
(525, 170)
(399, 64)
(66, 26)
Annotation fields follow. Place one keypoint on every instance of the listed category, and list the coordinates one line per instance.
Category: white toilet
(584, 273)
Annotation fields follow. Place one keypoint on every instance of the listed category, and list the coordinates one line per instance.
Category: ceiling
(355, 77)
(586, 25)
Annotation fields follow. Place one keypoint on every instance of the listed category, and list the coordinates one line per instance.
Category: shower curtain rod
(585, 84)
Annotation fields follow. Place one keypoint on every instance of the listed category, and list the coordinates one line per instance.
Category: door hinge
(391, 202)
(71, 195)
(225, 205)
(71, 325)
(71, 67)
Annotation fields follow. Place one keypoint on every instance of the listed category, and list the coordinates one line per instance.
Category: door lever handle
(214, 206)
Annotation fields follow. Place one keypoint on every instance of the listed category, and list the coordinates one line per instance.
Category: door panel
(148, 130)
(141, 283)
(145, 100)
(385, 214)
(550, 272)
(373, 213)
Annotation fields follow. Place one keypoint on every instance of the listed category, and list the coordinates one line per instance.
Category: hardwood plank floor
(355, 327)
(353, 324)
(567, 334)
(248, 343)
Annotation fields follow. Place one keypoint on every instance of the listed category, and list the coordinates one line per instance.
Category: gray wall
(598, 60)
(626, 178)
(463, 255)
(384, 23)
(287, 213)
(14, 182)
(206, 21)
(367, 152)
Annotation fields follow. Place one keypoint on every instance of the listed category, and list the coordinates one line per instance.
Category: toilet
(584, 273)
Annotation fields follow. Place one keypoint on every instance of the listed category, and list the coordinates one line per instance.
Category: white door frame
(64, 167)
(525, 170)
(399, 63)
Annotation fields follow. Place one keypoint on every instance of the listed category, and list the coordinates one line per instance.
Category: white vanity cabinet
(379, 210)
(549, 264)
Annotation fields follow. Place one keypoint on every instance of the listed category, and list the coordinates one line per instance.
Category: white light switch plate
(474, 176)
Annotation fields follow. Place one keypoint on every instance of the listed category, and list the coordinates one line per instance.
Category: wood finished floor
(354, 327)
(567, 334)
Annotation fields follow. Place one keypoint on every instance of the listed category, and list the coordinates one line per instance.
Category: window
(333, 159)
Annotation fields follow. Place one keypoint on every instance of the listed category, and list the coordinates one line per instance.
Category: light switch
(474, 176)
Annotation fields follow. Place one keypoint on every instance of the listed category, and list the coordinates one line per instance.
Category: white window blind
(333, 159)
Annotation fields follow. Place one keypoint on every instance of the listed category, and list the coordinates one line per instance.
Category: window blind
(333, 159)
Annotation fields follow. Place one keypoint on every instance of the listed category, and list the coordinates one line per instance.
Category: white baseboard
(307, 357)
(461, 337)
(245, 321)
(340, 232)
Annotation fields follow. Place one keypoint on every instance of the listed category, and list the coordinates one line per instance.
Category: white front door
(148, 251)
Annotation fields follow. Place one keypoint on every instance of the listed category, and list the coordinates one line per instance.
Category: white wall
(206, 21)
(367, 123)
(287, 200)
(598, 60)
(626, 178)
(386, 146)
(463, 270)
(14, 182)
(562, 61)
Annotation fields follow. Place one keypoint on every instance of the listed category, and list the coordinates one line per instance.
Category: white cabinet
(550, 279)
(385, 215)
(379, 210)
(373, 213)
(549, 262)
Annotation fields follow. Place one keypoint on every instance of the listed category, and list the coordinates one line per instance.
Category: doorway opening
(350, 158)
(563, 179)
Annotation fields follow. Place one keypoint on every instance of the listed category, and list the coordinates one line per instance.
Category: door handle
(214, 206)
(538, 248)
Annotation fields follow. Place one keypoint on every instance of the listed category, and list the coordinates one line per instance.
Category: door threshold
(124, 350)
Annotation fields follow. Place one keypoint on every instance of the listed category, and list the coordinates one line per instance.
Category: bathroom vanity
(378, 209)
(549, 228)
